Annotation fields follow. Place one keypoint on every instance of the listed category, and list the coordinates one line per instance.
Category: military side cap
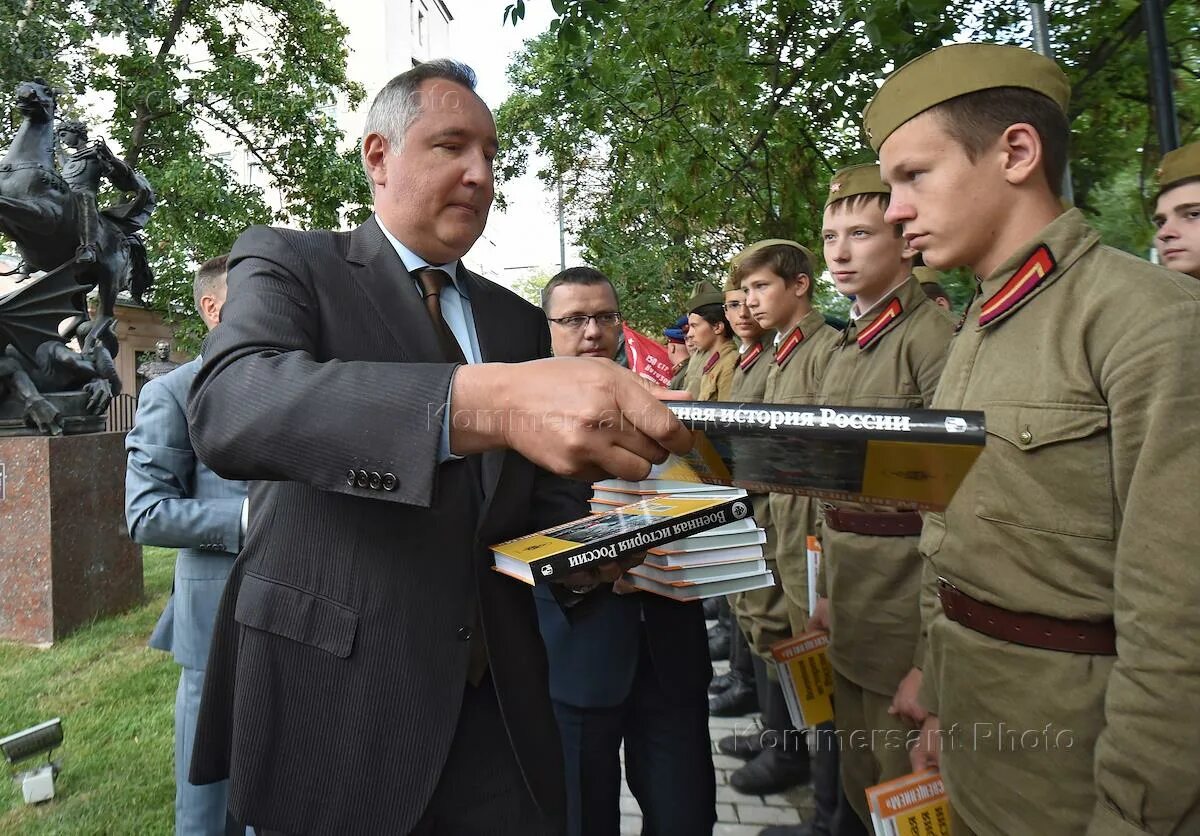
(856, 180)
(1180, 164)
(955, 70)
(771, 242)
(706, 293)
(927, 275)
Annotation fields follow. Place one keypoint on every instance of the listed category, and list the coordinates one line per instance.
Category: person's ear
(375, 151)
(1021, 154)
(801, 285)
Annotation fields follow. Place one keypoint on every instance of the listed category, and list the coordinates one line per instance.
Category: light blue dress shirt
(456, 310)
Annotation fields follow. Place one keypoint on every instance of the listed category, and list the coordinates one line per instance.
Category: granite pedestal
(65, 554)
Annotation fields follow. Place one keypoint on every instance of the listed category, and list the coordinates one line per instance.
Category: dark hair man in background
(626, 668)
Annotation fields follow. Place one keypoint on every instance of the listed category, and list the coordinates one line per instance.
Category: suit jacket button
(376, 481)
(363, 479)
(464, 634)
(389, 481)
(350, 477)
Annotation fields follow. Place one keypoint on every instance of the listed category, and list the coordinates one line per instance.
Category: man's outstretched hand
(583, 417)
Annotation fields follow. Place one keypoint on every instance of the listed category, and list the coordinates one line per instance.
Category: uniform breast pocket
(1048, 468)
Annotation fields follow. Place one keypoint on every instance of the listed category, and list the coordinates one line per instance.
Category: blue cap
(675, 332)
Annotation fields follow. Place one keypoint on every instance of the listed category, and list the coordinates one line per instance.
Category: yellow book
(806, 677)
(914, 805)
(611, 535)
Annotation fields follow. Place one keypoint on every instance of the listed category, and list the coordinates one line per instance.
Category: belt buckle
(944, 585)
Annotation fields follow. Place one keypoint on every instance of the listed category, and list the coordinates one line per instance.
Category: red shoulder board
(1028, 276)
(749, 358)
(884, 321)
(712, 361)
(788, 346)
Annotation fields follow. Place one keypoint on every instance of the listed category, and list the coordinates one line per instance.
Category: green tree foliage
(683, 130)
(258, 73)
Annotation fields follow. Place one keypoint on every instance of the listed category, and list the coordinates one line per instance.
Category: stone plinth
(65, 554)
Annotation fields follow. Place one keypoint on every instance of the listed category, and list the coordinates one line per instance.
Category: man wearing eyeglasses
(629, 668)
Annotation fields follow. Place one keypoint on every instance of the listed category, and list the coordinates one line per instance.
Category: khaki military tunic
(890, 358)
(1083, 505)
(694, 374)
(679, 378)
(717, 373)
(795, 381)
(761, 613)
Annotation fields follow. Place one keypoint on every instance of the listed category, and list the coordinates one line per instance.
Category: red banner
(647, 357)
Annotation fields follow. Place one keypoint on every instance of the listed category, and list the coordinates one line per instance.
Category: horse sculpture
(47, 216)
(52, 216)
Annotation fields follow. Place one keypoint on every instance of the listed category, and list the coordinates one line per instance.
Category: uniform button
(389, 481)
(350, 474)
(376, 481)
(1026, 436)
(464, 634)
(363, 479)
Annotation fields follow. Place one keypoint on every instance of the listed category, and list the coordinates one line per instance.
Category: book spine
(819, 421)
(619, 545)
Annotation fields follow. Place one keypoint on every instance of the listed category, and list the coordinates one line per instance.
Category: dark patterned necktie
(433, 282)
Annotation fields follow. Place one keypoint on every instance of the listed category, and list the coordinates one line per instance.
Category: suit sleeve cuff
(444, 454)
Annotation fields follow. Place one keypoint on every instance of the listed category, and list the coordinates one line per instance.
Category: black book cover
(912, 458)
(603, 538)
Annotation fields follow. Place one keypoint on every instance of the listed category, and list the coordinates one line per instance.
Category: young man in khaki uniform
(1177, 210)
(759, 612)
(711, 332)
(1062, 669)
(732, 693)
(776, 276)
(705, 293)
(889, 356)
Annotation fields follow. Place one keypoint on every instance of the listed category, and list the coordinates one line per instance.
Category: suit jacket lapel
(388, 285)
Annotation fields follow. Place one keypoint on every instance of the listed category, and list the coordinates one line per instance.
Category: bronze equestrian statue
(51, 215)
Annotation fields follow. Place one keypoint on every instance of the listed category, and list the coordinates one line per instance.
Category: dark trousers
(480, 791)
(668, 760)
(834, 815)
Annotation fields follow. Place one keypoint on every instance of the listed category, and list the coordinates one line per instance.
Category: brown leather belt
(874, 523)
(1068, 635)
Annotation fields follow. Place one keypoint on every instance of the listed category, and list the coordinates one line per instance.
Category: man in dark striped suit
(370, 673)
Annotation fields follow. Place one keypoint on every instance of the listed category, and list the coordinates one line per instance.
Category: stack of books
(602, 538)
(705, 564)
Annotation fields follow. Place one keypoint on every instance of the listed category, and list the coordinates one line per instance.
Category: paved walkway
(737, 814)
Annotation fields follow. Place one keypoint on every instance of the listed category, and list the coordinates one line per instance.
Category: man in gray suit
(172, 499)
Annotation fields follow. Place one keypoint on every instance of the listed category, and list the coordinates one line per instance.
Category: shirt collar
(414, 262)
(878, 306)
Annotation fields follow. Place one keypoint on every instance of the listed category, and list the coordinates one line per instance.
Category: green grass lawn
(116, 698)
